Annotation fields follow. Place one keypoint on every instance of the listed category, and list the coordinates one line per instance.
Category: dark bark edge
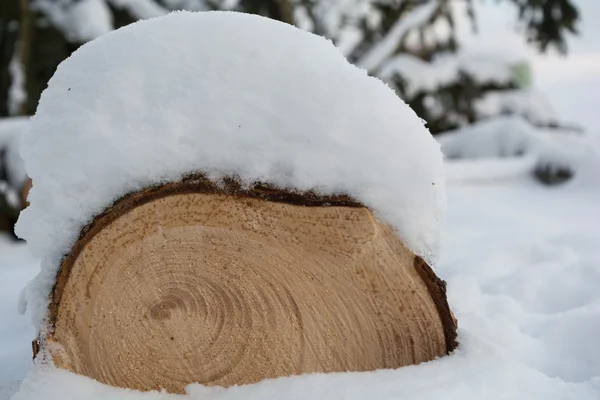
(437, 290)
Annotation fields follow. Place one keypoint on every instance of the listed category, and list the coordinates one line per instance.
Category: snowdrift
(505, 145)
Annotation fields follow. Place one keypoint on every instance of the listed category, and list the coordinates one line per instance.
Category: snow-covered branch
(386, 47)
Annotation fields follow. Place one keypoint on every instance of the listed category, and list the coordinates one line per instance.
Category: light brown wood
(223, 290)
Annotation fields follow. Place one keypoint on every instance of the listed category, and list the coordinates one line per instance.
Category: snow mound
(504, 136)
(512, 137)
(529, 104)
(225, 94)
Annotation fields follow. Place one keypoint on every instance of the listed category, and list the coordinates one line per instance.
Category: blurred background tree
(410, 44)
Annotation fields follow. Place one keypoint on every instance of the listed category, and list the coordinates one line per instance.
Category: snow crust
(225, 94)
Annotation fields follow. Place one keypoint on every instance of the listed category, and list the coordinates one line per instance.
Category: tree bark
(286, 10)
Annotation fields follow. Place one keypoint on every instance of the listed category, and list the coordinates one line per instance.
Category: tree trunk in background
(9, 33)
(23, 46)
(286, 10)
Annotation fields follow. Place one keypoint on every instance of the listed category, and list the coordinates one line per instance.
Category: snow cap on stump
(222, 94)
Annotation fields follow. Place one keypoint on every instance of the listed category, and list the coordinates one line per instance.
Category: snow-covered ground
(17, 267)
(522, 263)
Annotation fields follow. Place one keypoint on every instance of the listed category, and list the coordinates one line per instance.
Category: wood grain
(224, 289)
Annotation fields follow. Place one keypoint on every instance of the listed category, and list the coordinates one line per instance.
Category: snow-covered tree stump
(296, 243)
(190, 282)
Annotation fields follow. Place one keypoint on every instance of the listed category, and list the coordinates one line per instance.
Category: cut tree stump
(193, 282)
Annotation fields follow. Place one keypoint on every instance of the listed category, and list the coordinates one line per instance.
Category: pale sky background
(572, 82)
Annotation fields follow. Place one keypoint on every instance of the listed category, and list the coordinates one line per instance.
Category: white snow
(503, 136)
(530, 104)
(225, 94)
(513, 136)
(532, 289)
(16, 333)
(523, 270)
(588, 166)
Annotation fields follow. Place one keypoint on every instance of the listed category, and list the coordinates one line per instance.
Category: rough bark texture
(223, 285)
